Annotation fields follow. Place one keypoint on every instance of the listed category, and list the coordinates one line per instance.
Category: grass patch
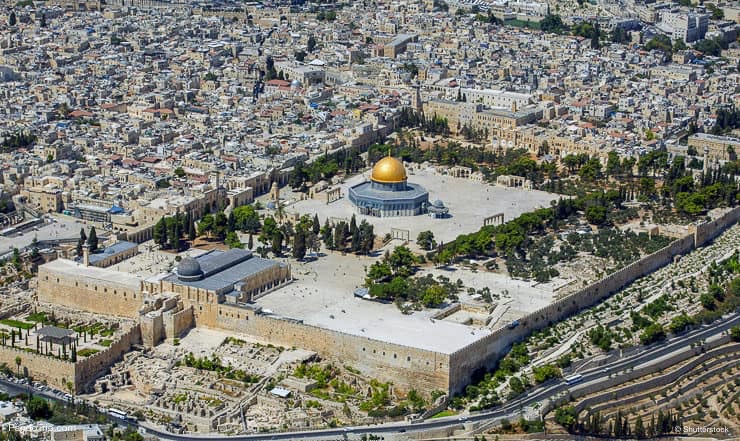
(105, 343)
(444, 413)
(37, 317)
(17, 324)
(86, 352)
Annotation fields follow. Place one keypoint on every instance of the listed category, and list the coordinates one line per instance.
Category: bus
(573, 379)
(117, 413)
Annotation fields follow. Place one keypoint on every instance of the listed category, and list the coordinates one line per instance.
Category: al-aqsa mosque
(388, 193)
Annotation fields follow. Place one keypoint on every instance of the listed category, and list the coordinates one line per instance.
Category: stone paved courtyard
(469, 203)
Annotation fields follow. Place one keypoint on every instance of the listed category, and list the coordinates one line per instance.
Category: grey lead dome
(189, 269)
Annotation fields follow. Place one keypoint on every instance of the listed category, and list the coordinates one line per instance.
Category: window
(408, 358)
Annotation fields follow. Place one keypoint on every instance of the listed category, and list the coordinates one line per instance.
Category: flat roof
(54, 332)
(116, 248)
(76, 270)
(223, 269)
(374, 320)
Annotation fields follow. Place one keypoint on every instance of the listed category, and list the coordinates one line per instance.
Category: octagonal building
(388, 193)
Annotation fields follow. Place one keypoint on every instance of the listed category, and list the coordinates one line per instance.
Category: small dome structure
(189, 270)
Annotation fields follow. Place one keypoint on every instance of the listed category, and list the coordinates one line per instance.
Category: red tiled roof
(80, 114)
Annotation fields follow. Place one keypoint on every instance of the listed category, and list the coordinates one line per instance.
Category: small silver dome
(189, 269)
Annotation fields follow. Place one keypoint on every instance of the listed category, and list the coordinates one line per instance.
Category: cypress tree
(299, 244)
(92, 241)
(316, 226)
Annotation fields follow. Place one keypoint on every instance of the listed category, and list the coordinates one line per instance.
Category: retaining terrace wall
(406, 367)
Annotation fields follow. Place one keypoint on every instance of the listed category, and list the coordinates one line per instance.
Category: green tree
(652, 333)
(38, 408)
(81, 241)
(434, 296)
(311, 44)
(299, 244)
(735, 333)
(680, 323)
(206, 225)
(596, 214)
(12, 19)
(232, 240)
(639, 428)
(16, 259)
(707, 301)
(567, 417)
(159, 232)
(401, 261)
(546, 372)
(180, 172)
(246, 219)
(425, 239)
(660, 42)
(92, 240)
(277, 243)
(378, 272)
(553, 24)
(516, 385)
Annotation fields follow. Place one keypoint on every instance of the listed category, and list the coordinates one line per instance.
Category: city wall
(89, 368)
(708, 231)
(175, 323)
(57, 372)
(45, 368)
(94, 295)
(408, 368)
(485, 353)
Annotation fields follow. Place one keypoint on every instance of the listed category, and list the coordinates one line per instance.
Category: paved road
(510, 410)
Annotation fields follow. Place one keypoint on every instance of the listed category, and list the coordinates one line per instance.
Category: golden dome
(389, 170)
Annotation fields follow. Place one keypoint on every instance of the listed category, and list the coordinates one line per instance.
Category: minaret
(416, 99)
(706, 161)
